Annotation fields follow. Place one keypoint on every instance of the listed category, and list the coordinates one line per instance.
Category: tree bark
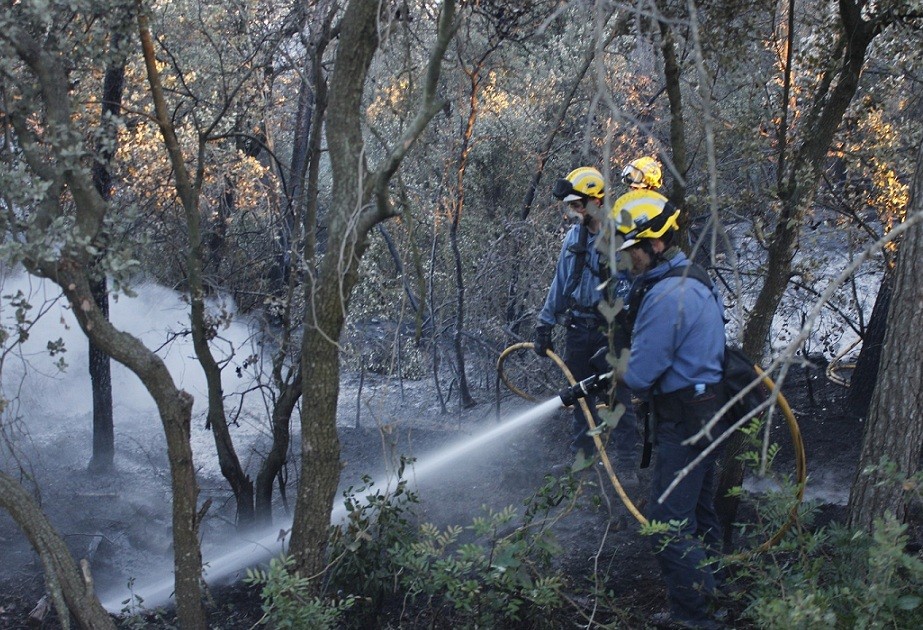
(175, 409)
(894, 432)
(102, 460)
(70, 593)
(864, 377)
(457, 205)
(360, 201)
(672, 75)
(282, 410)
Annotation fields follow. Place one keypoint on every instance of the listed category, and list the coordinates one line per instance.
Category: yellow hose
(795, 431)
(528, 345)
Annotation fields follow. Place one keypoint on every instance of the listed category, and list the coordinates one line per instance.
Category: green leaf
(909, 602)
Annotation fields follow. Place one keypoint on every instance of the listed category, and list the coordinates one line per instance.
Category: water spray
(225, 565)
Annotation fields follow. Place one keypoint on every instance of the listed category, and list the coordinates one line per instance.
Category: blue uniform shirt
(678, 337)
(586, 294)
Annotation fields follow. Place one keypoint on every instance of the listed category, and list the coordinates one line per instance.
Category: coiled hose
(795, 431)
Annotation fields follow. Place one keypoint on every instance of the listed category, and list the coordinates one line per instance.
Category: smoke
(49, 390)
(156, 315)
(46, 429)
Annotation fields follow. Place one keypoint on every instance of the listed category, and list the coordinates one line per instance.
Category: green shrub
(360, 549)
(492, 573)
(288, 602)
(838, 578)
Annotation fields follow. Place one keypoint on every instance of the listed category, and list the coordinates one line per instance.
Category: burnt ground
(122, 521)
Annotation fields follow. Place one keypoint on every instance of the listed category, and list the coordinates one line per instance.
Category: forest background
(332, 169)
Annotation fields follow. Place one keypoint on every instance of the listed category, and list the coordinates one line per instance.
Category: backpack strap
(579, 250)
(636, 297)
(692, 270)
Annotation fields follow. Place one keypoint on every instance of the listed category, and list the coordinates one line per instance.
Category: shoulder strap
(692, 270)
(579, 250)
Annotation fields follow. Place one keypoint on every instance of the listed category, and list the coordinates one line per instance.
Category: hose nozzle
(590, 385)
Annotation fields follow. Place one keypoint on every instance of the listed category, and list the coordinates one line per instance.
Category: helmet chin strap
(648, 248)
(668, 251)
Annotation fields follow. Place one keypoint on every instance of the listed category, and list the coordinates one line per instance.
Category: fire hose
(577, 392)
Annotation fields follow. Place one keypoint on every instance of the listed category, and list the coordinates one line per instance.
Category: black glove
(542, 341)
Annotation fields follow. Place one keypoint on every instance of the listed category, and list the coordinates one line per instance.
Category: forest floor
(122, 521)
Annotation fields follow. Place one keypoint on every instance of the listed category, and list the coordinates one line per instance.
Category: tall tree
(802, 156)
(297, 244)
(800, 160)
(360, 200)
(894, 432)
(59, 201)
(100, 366)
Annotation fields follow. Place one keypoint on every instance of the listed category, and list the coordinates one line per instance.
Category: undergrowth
(386, 571)
(835, 577)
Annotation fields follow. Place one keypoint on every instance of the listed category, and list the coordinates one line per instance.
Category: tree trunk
(434, 318)
(103, 457)
(672, 75)
(278, 453)
(177, 415)
(895, 427)
(71, 594)
(312, 97)
(864, 377)
(360, 201)
(320, 443)
(464, 391)
(297, 239)
(798, 179)
(175, 409)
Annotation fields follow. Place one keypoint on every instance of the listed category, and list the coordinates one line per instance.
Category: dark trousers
(683, 554)
(583, 338)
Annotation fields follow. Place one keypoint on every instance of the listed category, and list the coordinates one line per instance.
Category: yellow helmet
(580, 183)
(643, 213)
(643, 173)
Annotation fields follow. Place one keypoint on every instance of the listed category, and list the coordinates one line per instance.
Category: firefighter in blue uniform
(677, 347)
(572, 301)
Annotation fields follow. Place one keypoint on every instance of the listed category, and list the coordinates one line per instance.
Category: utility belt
(582, 317)
(674, 406)
(689, 408)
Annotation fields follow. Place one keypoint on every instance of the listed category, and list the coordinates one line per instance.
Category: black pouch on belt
(692, 408)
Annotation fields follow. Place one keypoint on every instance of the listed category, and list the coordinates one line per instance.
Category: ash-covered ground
(122, 521)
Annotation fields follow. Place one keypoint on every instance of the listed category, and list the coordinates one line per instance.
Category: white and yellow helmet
(581, 183)
(643, 214)
(645, 172)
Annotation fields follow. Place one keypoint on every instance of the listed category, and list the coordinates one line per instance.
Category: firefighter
(677, 344)
(644, 172)
(572, 302)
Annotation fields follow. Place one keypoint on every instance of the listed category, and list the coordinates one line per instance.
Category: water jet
(226, 565)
